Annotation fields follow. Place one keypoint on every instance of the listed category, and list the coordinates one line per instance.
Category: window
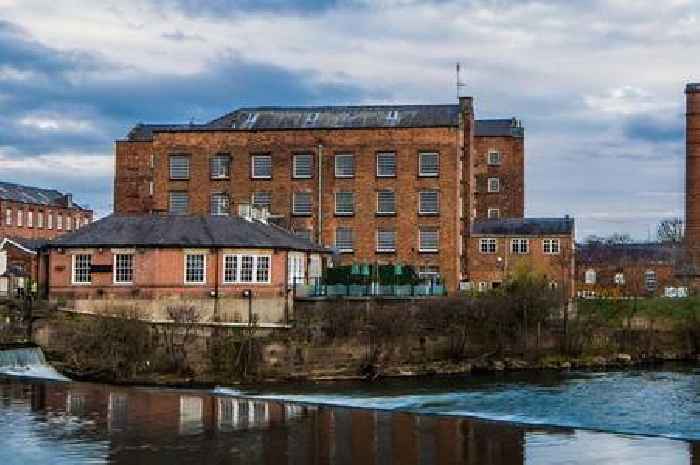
(19, 217)
(386, 164)
(179, 203)
(429, 203)
(69, 223)
(494, 185)
(344, 166)
(619, 279)
(30, 219)
(39, 219)
(551, 246)
(344, 239)
(59, 221)
(311, 119)
(246, 272)
(590, 276)
(302, 166)
(231, 268)
(520, 246)
(262, 269)
(494, 213)
(261, 166)
(303, 233)
(295, 268)
(49, 220)
(386, 240)
(428, 239)
(494, 158)
(219, 204)
(483, 286)
(195, 264)
(246, 269)
(386, 202)
(344, 203)
(179, 167)
(81, 269)
(487, 245)
(393, 116)
(220, 166)
(8, 217)
(86, 221)
(302, 203)
(262, 200)
(428, 164)
(650, 282)
(123, 268)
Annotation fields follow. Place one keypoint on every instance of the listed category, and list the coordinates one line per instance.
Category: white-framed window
(428, 239)
(30, 219)
(345, 165)
(483, 286)
(386, 240)
(81, 269)
(428, 164)
(262, 199)
(344, 203)
(494, 185)
(261, 166)
(179, 167)
(20, 217)
(219, 204)
(8, 217)
(302, 203)
(39, 219)
(59, 221)
(487, 245)
(494, 158)
(311, 119)
(242, 268)
(590, 276)
(520, 246)
(494, 213)
(178, 203)
(220, 166)
(123, 268)
(429, 202)
(69, 223)
(393, 116)
(386, 164)
(77, 222)
(344, 239)
(49, 220)
(86, 221)
(386, 202)
(296, 266)
(195, 268)
(619, 279)
(551, 246)
(302, 166)
(650, 281)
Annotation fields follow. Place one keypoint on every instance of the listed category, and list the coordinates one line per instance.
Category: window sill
(386, 176)
(387, 251)
(261, 178)
(195, 284)
(420, 175)
(428, 250)
(179, 179)
(302, 178)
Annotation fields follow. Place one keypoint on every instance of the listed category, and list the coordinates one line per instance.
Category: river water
(636, 417)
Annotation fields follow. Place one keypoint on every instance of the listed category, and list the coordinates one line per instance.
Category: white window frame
(425, 174)
(393, 194)
(336, 165)
(485, 245)
(294, 204)
(73, 270)
(654, 278)
(49, 220)
(493, 185)
(352, 204)
(59, 221)
(20, 218)
(379, 248)
(253, 175)
(226, 211)
(30, 218)
(115, 273)
(40, 219)
(516, 246)
(352, 240)
(213, 163)
(590, 276)
(384, 154)
(548, 246)
(493, 213)
(498, 155)
(254, 271)
(296, 268)
(170, 203)
(8, 217)
(420, 202)
(420, 239)
(619, 279)
(184, 157)
(295, 174)
(204, 269)
(255, 203)
(69, 223)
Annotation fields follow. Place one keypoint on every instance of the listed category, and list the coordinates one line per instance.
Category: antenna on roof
(460, 84)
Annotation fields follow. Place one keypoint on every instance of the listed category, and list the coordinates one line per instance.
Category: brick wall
(510, 200)
(38, 228)
(692, 170)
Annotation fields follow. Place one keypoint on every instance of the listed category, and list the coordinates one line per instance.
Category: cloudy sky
(598, 83)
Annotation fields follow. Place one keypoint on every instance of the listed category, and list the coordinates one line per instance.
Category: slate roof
(337, 117)
(692, 87)
(598, 252)
(29, 244)
(183, 231)
(34, 195)
(524, 226)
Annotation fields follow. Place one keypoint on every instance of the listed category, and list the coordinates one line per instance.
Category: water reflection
(90, 423)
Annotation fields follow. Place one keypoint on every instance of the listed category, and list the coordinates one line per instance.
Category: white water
(28, 363)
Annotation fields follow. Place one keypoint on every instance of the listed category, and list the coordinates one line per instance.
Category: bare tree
(670, 231)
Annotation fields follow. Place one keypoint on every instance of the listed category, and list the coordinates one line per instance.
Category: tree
(670, 231)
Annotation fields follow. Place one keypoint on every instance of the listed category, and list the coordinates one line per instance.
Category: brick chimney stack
(692, 165)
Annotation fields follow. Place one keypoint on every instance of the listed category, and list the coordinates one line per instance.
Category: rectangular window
(344, 166)
(230, 268)
(49, 220)
(219, 204)
(220, 166)
(195, 266)
(344, 239)
(428, 239)
(59, 221)
(429, 203)
(20, 216)
(179, 167)
(303, 233)
(494, 213)
(302, 203)
(494, 185)
(30, 219)
(650, 282)
(551, 246)
(246, 273)
(428, 164)
(520, 246)
(302, 167)
(123, 268)
(386, 240)
(296, 264)
(386, 202)
(39, 219)
(8, 217)
(81, 269)
(494, 158)
(69, 223)
(262, 200)
(86, 221)
(262, 269)
(487, 246)
(178, 203)
(386, 164)
(344, 203)
(261, 166)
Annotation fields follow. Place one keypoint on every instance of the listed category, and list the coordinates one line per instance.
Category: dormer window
(393, 115)
(312, 118)
(251, 118)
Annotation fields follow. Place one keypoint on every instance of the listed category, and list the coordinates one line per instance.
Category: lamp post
(249, 295)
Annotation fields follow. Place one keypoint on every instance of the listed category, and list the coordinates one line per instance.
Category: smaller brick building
(498, 247)
(226, 267)
(36, 213)
(18, 262)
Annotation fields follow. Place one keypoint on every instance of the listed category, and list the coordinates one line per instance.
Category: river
(632, 417)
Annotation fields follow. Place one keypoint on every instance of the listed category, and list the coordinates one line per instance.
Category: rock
(623, 358)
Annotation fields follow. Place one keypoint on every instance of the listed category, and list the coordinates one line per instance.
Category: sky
(598, 84)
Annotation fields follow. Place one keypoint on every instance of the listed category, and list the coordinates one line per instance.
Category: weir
(28, 362)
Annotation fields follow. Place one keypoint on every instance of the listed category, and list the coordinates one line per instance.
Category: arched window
(650, 281)
(590, 276)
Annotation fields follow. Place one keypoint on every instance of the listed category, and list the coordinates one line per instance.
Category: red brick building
(36, 213)
(380, 184)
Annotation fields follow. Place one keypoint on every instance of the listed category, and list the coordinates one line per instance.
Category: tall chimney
(692, 165)
(68, 200)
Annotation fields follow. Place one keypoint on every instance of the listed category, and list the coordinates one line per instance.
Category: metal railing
(317, 289)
